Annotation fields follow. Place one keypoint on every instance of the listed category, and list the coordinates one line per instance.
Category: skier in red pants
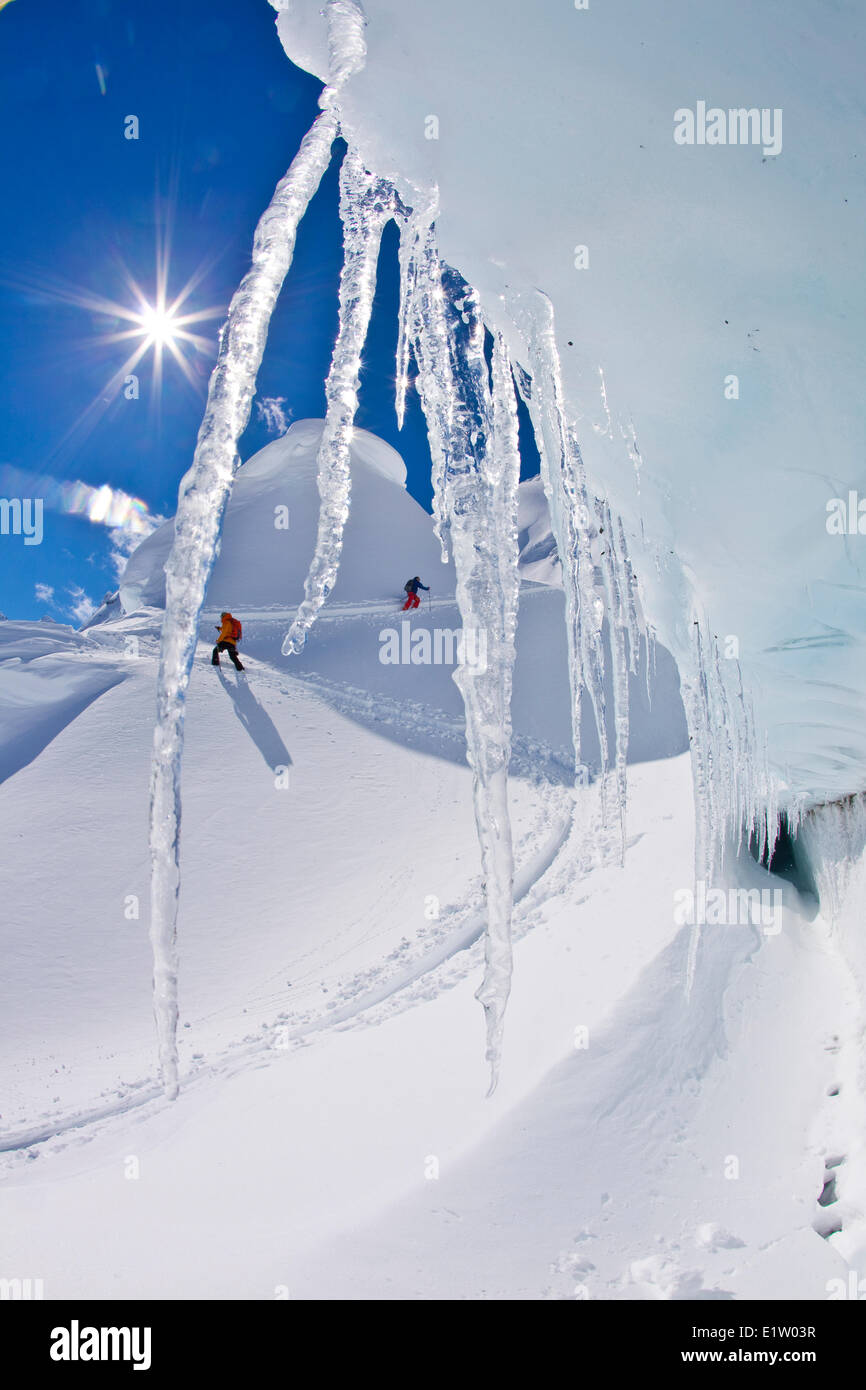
(412, 586)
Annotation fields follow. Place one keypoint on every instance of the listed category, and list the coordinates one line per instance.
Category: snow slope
(261, 569)
(548, 131)
(331, 1044)
(332, 1137)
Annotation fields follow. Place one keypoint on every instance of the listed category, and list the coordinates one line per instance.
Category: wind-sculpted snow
(204, 492)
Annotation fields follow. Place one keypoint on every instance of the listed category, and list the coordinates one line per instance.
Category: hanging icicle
(411, 225)
(425, 328)
(366, 204)
(622, 656)
(468, 397)
(564, 484)
(736, 797)
(474, 444)
(204, 493)
(476, 468)
(474, 433)
(487, 593)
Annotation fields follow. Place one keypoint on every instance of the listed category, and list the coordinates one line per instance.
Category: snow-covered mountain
(270, 530)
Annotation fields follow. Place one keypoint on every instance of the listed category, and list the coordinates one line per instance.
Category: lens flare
(103, 506)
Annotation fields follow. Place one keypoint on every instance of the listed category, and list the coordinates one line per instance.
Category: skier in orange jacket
(230, 633)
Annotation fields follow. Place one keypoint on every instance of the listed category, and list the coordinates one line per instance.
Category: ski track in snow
(573, 1249)
(449, 948)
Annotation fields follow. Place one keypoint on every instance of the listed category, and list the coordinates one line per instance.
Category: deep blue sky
(221, 111)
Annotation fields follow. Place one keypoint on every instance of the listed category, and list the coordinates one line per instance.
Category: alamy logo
(737, 126)
(76, 1343)
(441, 646)
(739, 907)
(856, 1288)
(16, 1290)
(22, 516)
(846, 519)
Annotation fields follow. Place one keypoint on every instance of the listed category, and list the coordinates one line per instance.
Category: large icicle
(628, 588)
(204, 492)
(407, 256)
(422, 314)
(564, 484)
(735, 795)
(620, 639)
(366, 204)
(407, 269)
(710, 820)
(473, 439)
(487, 592)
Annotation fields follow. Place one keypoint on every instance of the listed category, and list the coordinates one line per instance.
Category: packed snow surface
(332, 1137)
(332, 1134)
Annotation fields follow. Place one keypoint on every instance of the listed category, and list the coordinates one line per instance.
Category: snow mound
(270, 531)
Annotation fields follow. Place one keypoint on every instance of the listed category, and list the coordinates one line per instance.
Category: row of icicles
(465, 379)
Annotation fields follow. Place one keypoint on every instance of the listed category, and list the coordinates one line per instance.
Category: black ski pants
(232, 651)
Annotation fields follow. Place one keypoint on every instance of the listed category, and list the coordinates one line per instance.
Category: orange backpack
(237, 630)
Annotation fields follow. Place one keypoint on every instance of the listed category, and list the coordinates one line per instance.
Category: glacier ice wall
(708, 302)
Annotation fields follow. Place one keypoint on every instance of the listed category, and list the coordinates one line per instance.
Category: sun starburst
(157, 322)
(153, 326)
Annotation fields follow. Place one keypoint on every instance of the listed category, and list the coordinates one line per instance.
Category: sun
(149, 326)
(158, 325)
